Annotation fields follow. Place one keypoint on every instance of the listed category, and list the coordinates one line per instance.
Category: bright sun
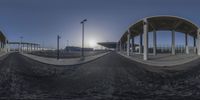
(92, 43)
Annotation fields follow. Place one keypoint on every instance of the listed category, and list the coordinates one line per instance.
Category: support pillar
(19, 47)
(145, 30)
(124, 47)
(38, 47)
(132, 44)
(120, 46)
(128, 44)
(195, 47)
(27, 47)
(117, 44)
(140, 47)
(186, 44)
(22, 48)
(154, 42)
(198, 40)
(173, 42)
(31, 47)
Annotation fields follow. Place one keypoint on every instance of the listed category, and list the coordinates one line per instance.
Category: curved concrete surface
(111, 77)
(71, 61)
(163, 59)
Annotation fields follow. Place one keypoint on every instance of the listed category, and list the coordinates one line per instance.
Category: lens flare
(92, 43)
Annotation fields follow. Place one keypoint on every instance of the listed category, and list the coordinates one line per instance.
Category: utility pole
(58, 51)
(82, 49)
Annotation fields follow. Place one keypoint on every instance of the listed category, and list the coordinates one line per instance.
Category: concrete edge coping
(1, 55)
(62, 62)
(159, 64)
(4, 55)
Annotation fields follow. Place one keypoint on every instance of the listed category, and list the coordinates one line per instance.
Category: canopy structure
(158, 23)
(24, 43)
(25, 46)
(161, 23)
(111, 45)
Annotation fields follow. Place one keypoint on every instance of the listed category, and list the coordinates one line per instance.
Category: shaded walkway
(162, 59)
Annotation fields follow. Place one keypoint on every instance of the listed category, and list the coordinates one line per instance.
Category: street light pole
(82, 49)
(58, 52)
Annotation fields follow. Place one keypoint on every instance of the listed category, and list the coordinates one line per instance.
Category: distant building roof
(108, 44)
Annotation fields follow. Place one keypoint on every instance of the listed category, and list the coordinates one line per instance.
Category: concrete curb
(159, 64)
(63, 62)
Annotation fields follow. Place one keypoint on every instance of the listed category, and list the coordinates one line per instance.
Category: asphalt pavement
(111, 77)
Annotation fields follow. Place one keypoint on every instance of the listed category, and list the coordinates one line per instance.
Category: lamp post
(82, 49)
(58, 52)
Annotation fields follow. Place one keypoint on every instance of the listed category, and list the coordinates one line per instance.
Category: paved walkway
(162, 59)
(3, 55)
(70, 61)
(111, 77)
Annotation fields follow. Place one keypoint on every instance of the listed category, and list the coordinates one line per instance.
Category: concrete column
(22, 47)
(128, 45)
(132, 44)
(26, 47)
(8, 47)
(145, 30)
(31, 47)
(198, 40)
(120, 46)
(0, 46)
(195, 47)
(186, 44)
(116, 49)
(140, 46)
(36, 49)
(154, 42)
(124, 47)
(19, 47)
(173, 42)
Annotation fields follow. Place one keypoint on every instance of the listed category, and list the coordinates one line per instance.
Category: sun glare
(92, 43)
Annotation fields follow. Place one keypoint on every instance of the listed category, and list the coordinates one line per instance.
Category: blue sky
(41, 20)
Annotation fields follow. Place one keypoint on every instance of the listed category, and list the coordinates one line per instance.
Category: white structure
(25, 46)
(159, 23)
